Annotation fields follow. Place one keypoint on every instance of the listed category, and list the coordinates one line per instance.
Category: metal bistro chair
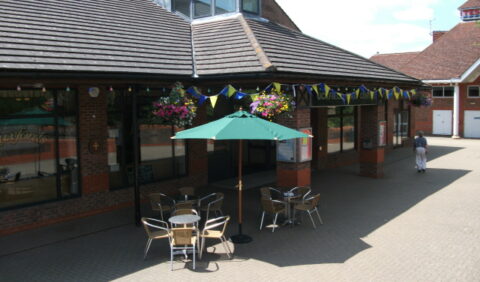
(273, 207)
(215, 229)
(187, 191)
(214, 204)
(309, 206)
(302, 191)
(271, 193)
(155, 229)
(161, 203)
(183, 240)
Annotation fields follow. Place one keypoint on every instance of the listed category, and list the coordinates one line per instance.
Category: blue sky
(369, 26)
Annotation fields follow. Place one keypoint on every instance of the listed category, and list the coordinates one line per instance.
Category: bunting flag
(213, 100)
(320, 90)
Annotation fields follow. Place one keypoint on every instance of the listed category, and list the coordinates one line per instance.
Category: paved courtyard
(405, 227)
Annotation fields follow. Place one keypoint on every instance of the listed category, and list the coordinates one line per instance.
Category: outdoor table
(288, 197)
(184, 219)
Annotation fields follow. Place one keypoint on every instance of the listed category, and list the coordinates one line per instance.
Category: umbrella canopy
(240, 126)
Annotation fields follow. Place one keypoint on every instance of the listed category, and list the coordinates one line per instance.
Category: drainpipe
(456, 111)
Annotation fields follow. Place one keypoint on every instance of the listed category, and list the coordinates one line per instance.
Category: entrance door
(472, 124)
(442, 122)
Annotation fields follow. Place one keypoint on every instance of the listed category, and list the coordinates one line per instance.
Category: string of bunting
(321, 91)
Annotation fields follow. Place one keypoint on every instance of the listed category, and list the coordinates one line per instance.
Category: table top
(184, 219)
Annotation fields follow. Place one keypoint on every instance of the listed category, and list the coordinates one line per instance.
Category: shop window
(38, 147)
(341, 129)
(160, 157)
(251, 6)
(474, 91)
(443, 91)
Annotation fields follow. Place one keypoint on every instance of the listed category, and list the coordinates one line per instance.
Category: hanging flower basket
(270, 106)
(176, 109)
(420, 100)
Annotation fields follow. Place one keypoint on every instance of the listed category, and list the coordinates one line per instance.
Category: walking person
(420, 149)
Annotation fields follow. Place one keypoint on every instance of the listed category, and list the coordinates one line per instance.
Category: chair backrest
(182, 236)
(219, 222)
(265, 192)
(313, 200)
(303, 191)
(149, 223)
(217, 203)
(188, 190)
(158, 200)
(185, 211)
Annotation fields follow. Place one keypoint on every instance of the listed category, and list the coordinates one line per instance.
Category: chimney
(437, 34)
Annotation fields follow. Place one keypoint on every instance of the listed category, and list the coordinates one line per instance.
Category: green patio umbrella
(240, 126)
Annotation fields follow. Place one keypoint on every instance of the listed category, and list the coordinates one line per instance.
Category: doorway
(400, 128)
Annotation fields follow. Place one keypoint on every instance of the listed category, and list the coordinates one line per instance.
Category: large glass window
(341, 129)
(160, 157)
(225, 6)
(38, 146)
(251, 6)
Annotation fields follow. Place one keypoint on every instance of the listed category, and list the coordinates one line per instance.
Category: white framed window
(473, 91)
(443, 91)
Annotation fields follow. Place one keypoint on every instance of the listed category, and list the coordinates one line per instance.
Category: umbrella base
(241, 239)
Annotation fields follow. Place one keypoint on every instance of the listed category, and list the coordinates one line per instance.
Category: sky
(366, 27)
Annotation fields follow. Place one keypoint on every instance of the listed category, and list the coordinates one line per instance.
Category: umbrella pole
(240, 238)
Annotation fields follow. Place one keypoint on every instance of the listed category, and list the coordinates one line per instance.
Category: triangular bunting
(213, 100)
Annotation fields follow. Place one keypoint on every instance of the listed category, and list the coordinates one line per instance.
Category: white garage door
(472, 124)
(442, 122)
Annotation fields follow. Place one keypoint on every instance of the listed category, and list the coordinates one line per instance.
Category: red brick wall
(272, 11)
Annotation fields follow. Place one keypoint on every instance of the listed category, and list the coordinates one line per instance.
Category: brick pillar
(371, 156)
(93, 140)
(295, 174)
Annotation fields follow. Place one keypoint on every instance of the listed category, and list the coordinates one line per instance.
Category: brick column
(371, 156)
(295, 174)
(93, 132)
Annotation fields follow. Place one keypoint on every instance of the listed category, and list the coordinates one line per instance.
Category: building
(76, 76)
(451, 64)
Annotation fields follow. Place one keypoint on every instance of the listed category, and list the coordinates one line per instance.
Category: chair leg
(149, 242)
(230, 253)
(171, 259)
(261, 221)
(202, 245)
(311, 218)
(274, 222)
(194, 256)
(319, 217)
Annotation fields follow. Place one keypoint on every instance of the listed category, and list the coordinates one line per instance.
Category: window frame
(443, 92)
(250, 12)
(468, 91)
(342, 116)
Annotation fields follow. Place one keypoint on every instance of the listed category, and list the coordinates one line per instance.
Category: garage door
(472, 124)
(442, 122)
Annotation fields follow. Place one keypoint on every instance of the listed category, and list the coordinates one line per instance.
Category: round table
(184, 219)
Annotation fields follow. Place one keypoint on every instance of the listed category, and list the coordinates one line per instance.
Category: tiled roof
(110, 36)
(138, 36)
(223, 47)
(448, 57)
(291, 51)
(394, 60)
(470, 4)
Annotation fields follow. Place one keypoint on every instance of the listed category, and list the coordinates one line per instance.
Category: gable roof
(470, 4)
(448, 57)
(138, 36)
